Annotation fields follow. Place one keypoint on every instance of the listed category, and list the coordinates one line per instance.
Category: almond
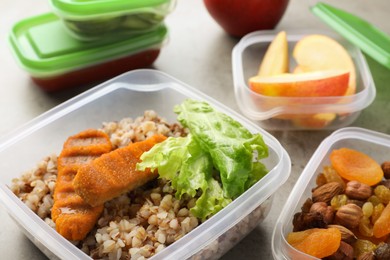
(327, 191)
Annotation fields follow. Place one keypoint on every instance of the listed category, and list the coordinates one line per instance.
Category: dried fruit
(355, 165)
(338, 201)
(383, 193)
(367, 209)
(349, 215)
(303, 221)
(331, 175)
(382, 225)
(362, 246)
(318, 242)
(374, 200)
(357, 190)
(326, 192)
(382, 252)
(326, 211)
(378, 209)
(365, 227)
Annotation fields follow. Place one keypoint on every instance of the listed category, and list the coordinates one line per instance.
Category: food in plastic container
(57, 61)
(129, 95)
(293, 113)
(343, 186)
(93, 20)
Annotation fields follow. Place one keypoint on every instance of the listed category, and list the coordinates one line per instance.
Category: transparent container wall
(296, 113)
(219, 246)
(378, 149)
(129, 95)
(110, 107)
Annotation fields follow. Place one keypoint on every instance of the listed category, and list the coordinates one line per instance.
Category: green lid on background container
(44, 48)
(364, 35)
(85, 8)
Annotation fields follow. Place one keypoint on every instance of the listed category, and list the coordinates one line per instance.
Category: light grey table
(199, 54)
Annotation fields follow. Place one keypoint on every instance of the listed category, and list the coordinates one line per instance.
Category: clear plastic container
(95, 19)
(374, 144)
(296, 113)
(128, 95)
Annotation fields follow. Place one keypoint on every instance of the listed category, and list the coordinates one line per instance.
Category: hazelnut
(326, 192)
(326, 211)
(349, 215)
(357, 190)
(386, 169)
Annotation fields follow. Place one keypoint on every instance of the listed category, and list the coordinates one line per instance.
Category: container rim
(307, 105)
(85, 10)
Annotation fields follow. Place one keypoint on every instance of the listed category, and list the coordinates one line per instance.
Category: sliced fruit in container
(309, 84)
(276, 60)
(319, 52)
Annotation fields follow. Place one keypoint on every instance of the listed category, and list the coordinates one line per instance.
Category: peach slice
(276, 59)
(309, 84)
(319, 52)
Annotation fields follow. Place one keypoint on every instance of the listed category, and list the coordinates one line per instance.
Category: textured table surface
(199, 54)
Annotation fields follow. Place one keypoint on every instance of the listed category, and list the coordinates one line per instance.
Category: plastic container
(128, 95)
(374, 144)
(57, 61)
(95, 19)
(296, 113)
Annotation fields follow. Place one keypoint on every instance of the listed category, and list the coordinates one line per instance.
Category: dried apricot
(316, 242)
(382, 225)
(354, 165)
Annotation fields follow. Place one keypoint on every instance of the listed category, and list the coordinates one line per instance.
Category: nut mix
(348, 214)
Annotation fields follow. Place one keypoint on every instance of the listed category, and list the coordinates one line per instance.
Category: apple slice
(309, 84)
(319, 120)
(319, 52)
(276, 59)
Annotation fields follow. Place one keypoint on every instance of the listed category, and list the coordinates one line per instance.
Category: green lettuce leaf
(189, 168)
(231, 146)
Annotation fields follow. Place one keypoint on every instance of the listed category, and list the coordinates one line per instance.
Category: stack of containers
(83, 42)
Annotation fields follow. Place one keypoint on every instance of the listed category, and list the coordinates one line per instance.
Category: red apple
(239, 17)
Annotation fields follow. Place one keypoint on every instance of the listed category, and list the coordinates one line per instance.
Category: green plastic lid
(364, 35)
(87, 8)
(43, 47)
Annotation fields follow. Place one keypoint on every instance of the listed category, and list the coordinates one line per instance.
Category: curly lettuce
(217, 144)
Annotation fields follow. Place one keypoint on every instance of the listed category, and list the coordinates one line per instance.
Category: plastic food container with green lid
(95, 19)
(57, 61)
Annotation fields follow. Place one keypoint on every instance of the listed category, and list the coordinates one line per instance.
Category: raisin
(303, 221)
(382, 252)
(362, 246)
(383, 193)
(339, 201)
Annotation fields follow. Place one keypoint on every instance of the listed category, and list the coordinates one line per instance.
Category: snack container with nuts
(129, 95)
(374, 144)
